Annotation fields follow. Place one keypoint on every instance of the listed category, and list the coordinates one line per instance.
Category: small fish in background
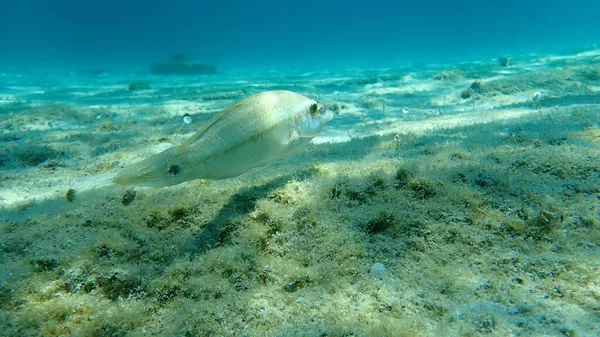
(256, 131)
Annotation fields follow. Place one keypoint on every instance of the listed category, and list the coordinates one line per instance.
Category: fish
(263, 128)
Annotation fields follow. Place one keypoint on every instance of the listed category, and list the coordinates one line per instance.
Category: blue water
(277, 34)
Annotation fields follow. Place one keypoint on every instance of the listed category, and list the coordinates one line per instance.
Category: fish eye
(313, 108)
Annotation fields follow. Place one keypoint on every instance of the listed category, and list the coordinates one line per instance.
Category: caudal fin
(159, 170)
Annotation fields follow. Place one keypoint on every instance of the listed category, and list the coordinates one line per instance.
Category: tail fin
(159, 170)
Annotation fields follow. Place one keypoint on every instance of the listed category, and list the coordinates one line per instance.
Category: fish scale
(260, 129)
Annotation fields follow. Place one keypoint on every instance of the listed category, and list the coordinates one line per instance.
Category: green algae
(292, 256)
(490, 229)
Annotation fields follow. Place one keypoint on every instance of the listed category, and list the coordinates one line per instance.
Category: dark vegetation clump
(449, 75)
(485, 180)
(458, 155)
(375, 183)
(35, 155)
(170, 292)
(109, 329)
(543, 224)
(6, 295)
(161, 220)
(224, 95)
(120, 286)
(459, 177)
(70, 195)
(358, 191)
(402, 177)
(80, 281)
(592, 73)
(504, 61)
(477, 87)
(128, 197)
(44, 264)
(178, 213)
(297, 284)
(466, 94)
(422, 189)
(361, 80)
(138, 85)
(380, 223)
(304, 219)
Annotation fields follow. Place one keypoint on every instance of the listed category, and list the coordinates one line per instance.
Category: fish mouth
(328, 116)
(311, 126)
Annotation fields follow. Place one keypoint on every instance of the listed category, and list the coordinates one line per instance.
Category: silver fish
(257, 130)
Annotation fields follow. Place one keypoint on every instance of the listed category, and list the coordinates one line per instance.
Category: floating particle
(378, 270)
(405, 110)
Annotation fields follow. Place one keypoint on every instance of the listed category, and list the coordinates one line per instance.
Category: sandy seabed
(442, 200)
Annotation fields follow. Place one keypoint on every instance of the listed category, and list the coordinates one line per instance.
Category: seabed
(442, 200)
